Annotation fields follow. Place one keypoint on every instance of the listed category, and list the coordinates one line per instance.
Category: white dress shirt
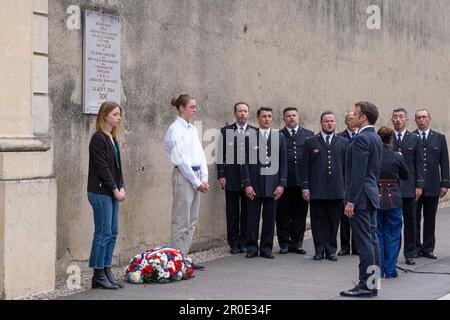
(427, 132)
(364, 128)
(183, 147)
(324, 136)
(403, 133)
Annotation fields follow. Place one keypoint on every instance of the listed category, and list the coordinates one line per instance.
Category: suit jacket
(436, 163)
(294, 149)
(270, 156)
(362, 168)
(323, 167)
(230, 169)
(410, 147)
(393, 168)
(345, 135)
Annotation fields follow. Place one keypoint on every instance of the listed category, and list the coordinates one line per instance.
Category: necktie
(293, 132)
(328, 140)
(424, 137)
(399, 137)
(241, 130)
(353, 136)
(266, 134)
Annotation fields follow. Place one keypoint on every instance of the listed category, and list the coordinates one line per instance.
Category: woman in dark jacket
(389, 216)
(106, 190)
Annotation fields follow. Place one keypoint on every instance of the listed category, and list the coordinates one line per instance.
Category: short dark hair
(239, 103)
(326, 113)
(263, 109)
(386, 136)
(369, 110)
(400, 109)
(289, 109)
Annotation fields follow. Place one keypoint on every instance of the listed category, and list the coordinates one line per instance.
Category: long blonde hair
(106, 108)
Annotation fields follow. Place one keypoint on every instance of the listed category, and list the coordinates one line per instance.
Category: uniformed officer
(228, 172)
(323, 165)
(436, 167)
(264, 177)
(346, 238)
(410, 146)
(292, 209)
(389, 215)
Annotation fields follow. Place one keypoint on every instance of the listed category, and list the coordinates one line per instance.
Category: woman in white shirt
(190, 174)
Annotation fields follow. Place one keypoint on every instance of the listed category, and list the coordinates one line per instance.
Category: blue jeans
(106, 220)
(389, 227)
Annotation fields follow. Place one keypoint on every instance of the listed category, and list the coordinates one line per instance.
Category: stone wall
(313, 54)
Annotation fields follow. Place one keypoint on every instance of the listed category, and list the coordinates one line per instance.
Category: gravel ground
(61, 289)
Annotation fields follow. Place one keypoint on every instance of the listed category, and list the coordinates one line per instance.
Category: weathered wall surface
(314, 54)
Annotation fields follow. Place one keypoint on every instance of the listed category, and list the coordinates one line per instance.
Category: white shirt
(402, 133)
(265, 132)
(296, 130)
(427, 132)
(183, 147)
(244, 127)
(324, 136)
(364, 128)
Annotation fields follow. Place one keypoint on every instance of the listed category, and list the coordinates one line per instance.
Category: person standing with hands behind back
(190, 174)
(106, 190)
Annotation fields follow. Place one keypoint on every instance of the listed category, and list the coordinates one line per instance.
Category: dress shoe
(266, 255)
(250, 255)
(344, 252)
(318, 257)
(284, 250)
(429, 255)
(358, 292)
(299, 250)
(332, 257)
(198, 266)
(410, 261)
(242, 250)
(234, 251)
(111, 279)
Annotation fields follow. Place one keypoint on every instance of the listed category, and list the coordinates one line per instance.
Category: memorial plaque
(101, 60)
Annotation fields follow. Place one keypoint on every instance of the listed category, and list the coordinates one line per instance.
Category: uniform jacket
(393, 168)
(294, 148)
(436, 164)
(231, 169)
(362, 169)
(323, 167)
(271, 159)
(410, 147)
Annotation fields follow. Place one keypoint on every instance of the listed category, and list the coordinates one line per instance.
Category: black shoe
(429, 255)
(234, 251)
(242, 250)
(284, 250)
(266, 255)
(198, 266)
(318, 257)
(344, 252)
(332, 257)
(410, 261)
(250, 255)
(358, 292)
(299, 250)
(99, 280)
(111, 278)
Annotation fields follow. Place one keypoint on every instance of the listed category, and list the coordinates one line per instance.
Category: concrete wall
(314, 54)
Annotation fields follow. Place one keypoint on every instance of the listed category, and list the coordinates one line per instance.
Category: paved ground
(295, 277)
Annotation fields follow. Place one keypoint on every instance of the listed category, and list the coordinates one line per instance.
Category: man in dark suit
(362, 167)
(409, 145)
(436, 167)
(292, 209)
(323, 167)
(228, 172)
(264, 177)
(346, 238)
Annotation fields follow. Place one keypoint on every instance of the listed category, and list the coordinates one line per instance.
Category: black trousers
(346, 235)
(291, 218)
(236, 211)
(269, 207)
(409, 227)
(325, 216)
(429, 205)
(364, 227)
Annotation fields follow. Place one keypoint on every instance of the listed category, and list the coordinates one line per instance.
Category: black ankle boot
(111, 278)
(99, 280)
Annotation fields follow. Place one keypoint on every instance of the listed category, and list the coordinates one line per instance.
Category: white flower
(167, 274)
(144, 263)
(135, 277)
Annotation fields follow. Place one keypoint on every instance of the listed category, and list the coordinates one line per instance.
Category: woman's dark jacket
(105, 171)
